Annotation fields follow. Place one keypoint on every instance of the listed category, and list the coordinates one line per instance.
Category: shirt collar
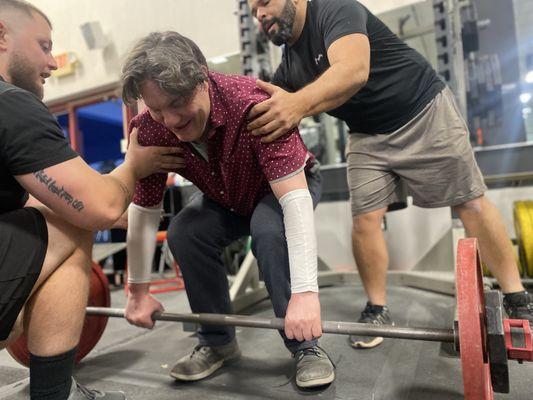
(217, 116)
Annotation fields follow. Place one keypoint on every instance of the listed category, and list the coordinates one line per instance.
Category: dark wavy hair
(172, 61)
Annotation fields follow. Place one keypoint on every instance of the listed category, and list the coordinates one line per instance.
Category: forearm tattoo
(60, 192)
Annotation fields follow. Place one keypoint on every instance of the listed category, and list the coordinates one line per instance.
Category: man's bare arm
(349, 58)
(89, 200)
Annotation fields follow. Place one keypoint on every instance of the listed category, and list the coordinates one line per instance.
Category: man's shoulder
(7, 87)
(17, 94)
(238, 92)
(19, 107)
(144, 120)
(325, 7)
(329, 4)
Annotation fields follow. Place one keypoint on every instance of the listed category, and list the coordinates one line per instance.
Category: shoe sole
(207, 372)
(367, 345)
(316, 382)
(201, 375)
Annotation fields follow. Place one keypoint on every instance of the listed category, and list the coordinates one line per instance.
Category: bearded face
(279, 29)
(25, 75)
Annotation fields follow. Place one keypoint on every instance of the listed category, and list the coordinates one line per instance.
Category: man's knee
(180, 229)
(268, 236)
(15, 333)
(367, 222)
(65, 237)
(471, 207)
(83, 243)
(183, 233)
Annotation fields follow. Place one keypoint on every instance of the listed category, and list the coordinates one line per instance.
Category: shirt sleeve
(282, 158)
(30, 137)
(149, 191)
(341, 18)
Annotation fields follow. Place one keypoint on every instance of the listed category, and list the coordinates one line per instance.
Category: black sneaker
(372, 314)
(519, 306)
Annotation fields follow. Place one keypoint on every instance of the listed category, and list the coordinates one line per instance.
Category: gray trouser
(197, 237)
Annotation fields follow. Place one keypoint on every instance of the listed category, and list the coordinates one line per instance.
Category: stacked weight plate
(523, 222)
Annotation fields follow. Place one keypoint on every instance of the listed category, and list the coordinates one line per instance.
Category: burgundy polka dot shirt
(239, 166)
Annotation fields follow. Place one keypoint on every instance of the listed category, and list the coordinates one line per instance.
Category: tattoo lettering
(60, 192)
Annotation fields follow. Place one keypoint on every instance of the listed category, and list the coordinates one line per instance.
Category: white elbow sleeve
(299, 223)
(143, 224)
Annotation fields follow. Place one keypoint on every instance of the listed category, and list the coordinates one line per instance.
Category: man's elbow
(359, 78)
(354, 79)
(111, 216)
(103, 218)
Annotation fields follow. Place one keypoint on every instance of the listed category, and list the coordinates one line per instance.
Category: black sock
(517, 299)
(515, 295)
(376, 308)
(51, 377)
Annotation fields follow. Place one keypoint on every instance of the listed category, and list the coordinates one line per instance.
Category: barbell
(337, 327)
(481, 335)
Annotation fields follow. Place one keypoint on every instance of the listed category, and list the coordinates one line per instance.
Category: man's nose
(52, 63)
(261, 15)
(172, 120)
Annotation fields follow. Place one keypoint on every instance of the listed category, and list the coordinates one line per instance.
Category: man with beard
(265, 190)
(44, 267)
(404, 129)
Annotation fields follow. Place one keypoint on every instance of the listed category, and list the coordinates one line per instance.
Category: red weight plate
(93, 327)
(471, 315)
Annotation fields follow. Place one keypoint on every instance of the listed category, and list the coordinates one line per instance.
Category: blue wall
(101, 127)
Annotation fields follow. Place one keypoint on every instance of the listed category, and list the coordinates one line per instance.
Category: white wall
(410, 234)
(212, 24)
(379, 6)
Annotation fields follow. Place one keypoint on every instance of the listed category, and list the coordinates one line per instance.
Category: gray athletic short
(430, 157)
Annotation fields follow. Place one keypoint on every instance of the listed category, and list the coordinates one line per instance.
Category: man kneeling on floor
(266, 190)
(50, 200)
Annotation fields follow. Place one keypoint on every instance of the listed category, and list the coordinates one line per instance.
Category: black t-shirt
(401, 81)
(30, 140)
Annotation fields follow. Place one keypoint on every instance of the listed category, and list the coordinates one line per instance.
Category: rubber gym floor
(138, 361)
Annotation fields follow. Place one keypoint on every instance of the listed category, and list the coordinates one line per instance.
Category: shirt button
(221, 192)
(231, 209)
(212, 173)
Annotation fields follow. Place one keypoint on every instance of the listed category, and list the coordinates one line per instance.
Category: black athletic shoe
(372, 314)
(519, 306)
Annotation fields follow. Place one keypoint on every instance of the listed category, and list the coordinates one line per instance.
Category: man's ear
(3, 36)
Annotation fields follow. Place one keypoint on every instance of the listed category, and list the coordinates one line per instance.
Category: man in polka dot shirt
(266, 190)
